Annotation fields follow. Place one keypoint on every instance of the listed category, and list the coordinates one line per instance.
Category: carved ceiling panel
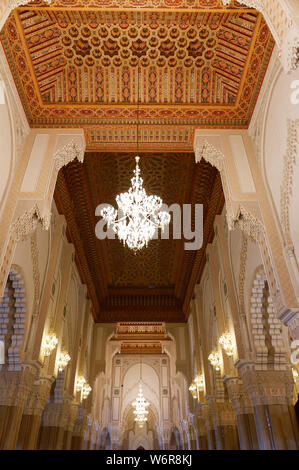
(78, 65)
(156, 283)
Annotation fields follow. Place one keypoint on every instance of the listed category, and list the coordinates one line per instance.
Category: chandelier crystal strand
(140, 405)
(140, 214)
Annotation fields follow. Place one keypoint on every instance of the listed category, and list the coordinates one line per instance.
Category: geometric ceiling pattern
(80, 66)
(157, 283)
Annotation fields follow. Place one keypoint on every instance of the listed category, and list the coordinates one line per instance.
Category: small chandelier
(80, 383)
(140, 405)
(226, 341)
(214, 359)
(197, 386)
(193, 390)
(83, 387)
(63, 361)
(140, 214)
(50, 344)
(86, 391)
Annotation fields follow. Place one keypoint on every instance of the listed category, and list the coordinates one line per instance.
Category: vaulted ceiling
(77, 63)
(156, 68)
(157, 283)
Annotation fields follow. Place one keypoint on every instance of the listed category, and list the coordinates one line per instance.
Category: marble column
(271, 394)
(69, 426)
(201, 426)
(53, 423)
(80, 427)
(30, 423)
(244, 412)
(224, 424)
(15, 387)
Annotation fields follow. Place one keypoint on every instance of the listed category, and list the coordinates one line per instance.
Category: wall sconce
(226, 341)
(199, 382)
(86, 391)
(83, 386)
(80, 383)
(63, 361)
(197, 386)
(49, 344)
(215, 360)
(192, 390)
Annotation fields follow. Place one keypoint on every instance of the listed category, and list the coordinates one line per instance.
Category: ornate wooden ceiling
(141, 338)
(78, 64)
(157, 283)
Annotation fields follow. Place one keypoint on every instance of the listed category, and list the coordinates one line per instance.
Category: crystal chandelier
(197, 386)
(50, 344)
(86, 391)
(83, 387)
(215, 360)
(140, 405)
(140, 214)
(226, 341)
(63, 361)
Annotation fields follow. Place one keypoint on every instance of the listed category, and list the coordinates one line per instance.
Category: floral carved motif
(36, 274)
(243, 260)
(27, 223)
(286, 188)
(68, 153)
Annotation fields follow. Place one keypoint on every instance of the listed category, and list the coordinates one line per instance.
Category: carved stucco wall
(280, 156)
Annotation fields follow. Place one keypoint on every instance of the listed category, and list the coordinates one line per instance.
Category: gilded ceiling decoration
(156, 283)
(141, 338)
(80, 65)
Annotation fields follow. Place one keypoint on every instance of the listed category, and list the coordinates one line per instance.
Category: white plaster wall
(5, 151)
(150, 385)
(280, 109)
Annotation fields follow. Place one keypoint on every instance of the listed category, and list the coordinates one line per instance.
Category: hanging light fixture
(140, 215)
(197, 386)
(215, 360)
(49, 344)
(140, 404)
(226, 341)
(63, 361)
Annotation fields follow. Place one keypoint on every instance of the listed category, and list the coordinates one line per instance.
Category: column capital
(56, 414)
(16, 385)
(38, 396)
(238, 395)
(266, 387)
